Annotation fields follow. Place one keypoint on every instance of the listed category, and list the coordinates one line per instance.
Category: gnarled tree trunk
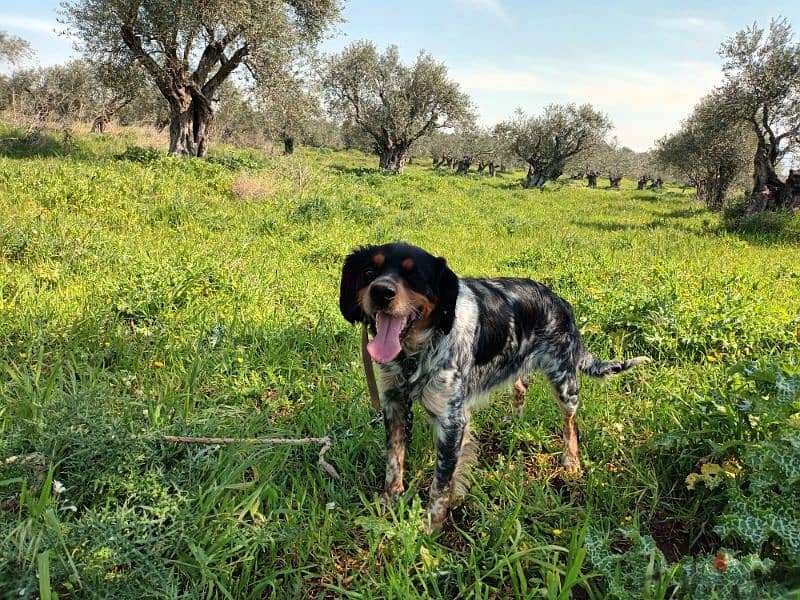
(100, 122)
(793, 185)
(769, 192)
(534, 179)
(393, 159)
(614, 182)
(591, 176)
(189, 123)
(492, 168)
(288, 145)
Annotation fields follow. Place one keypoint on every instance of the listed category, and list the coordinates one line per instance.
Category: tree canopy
(762, 90)
(188, 49)
(545, 142)
(393, 103)
(710, 150)
(13, 48)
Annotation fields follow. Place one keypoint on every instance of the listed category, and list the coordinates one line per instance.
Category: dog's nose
(382, 293)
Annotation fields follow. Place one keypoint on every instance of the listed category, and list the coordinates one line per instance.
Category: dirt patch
(676, 540)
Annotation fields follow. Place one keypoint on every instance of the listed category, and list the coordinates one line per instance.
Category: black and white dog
(445, 342)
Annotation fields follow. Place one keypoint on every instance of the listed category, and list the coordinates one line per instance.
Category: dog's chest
(410, 375)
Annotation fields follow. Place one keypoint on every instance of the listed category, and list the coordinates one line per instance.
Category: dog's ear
(348, 301)
(446, 289)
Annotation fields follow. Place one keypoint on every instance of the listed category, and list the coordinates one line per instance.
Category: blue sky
(643, 63)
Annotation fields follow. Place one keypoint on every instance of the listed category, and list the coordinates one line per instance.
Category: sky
(645, 64)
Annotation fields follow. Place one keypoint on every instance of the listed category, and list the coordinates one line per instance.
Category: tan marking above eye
(378, 260)
(408, 264)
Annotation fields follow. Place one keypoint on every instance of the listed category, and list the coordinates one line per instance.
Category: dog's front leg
(451, 433)
(398, 421)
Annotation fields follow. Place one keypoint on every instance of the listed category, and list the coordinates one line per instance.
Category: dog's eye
(369, 272)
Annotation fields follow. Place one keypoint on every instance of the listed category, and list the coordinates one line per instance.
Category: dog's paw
(431, 522)
(572, 464)
(435, 514)
(390, 495)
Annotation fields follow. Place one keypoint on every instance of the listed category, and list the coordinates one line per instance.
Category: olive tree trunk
(711, 192)
(393, 159)
(190, 120)
(534, 179)
(288, 145)
(100, 122)
(769, 192)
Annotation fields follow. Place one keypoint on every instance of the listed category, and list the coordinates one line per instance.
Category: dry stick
(325, 442)
(33, 456)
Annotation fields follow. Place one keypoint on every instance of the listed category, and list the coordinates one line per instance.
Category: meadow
(142, 295)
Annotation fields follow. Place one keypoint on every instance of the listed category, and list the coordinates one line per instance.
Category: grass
(142, 295)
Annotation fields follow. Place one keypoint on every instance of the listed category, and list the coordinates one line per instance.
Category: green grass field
(142, 295)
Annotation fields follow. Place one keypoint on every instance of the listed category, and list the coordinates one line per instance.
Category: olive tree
(394, 104)
(762, 90)
(616, 161)
(288, 107)
(13, 49)
(545, 142)
(56, 93)
(468, 146)
(66, 93)
(709, 150)
(188, 49)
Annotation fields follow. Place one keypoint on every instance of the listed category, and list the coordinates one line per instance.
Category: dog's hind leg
(565, 386)
(520, 393)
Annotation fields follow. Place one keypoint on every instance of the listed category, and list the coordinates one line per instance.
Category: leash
(374, 397)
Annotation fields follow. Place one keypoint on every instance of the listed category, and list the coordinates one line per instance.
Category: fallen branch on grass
(35, 457)
(325, 442)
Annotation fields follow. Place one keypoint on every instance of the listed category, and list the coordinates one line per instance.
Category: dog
(446, 342)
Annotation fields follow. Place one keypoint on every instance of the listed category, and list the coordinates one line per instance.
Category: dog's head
(401, 290)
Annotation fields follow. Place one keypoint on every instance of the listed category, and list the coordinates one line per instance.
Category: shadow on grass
(683, 213)
(31, 145)
(357, 171)
(655, 224)
(764, 229)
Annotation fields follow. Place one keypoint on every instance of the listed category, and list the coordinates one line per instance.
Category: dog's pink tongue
(386, 344)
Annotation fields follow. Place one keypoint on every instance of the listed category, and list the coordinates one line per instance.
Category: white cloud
(29, 24)
(643, 104)
(492, 7)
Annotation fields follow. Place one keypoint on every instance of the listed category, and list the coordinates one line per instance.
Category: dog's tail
(594, 367)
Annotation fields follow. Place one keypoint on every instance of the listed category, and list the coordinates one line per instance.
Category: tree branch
(225, 69)
(155, 70)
